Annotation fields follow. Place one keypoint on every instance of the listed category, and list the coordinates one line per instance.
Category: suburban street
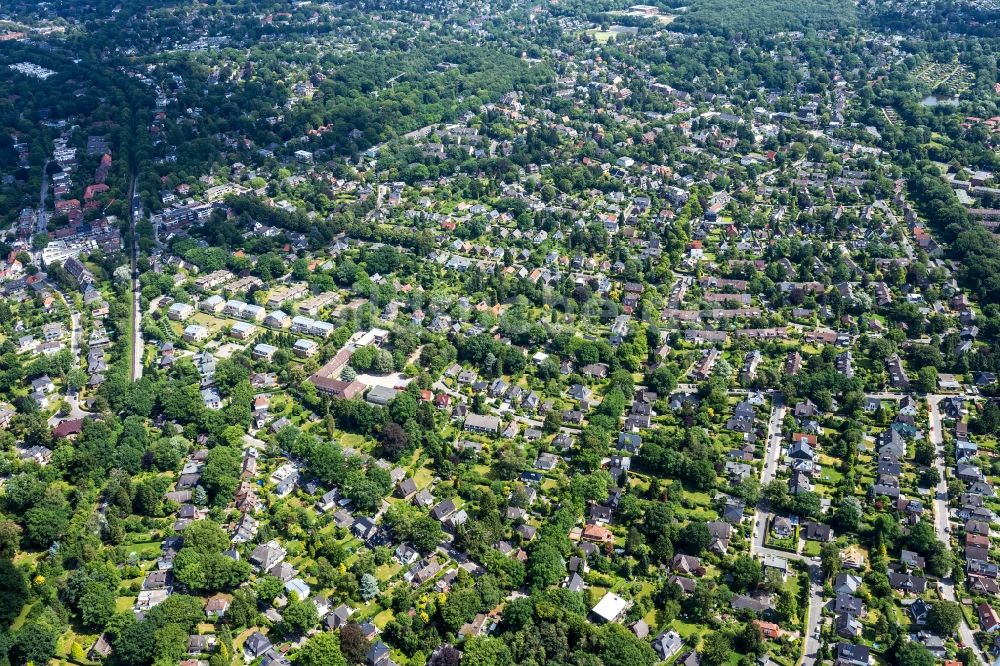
(76, 325)
(136, 333)
(941, 514)
(772, 455)
(42, 217)
(76, 333)
(811, 654)
(906, 244)
(42, 221)
(762, 516)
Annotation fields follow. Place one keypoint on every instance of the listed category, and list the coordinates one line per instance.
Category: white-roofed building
(611, 608)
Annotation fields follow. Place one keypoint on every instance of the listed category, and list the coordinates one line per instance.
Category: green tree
(848, 515)
(221, 474)
(10, 538)
(487, 651)
(181, 609)
(171, 643)
(97, 606)
(546, 566)
(829, 557)
(13, 591)
(205, 536)
(746, 573)
(989, 420)
(941, 563)
(693, 538)
(807, 503)
(460, 607)
(403, 407)
(135, 645)
(750, 640)
(368, 587)
(267, 588)
(944, 618)
(299, 616)
(715, 649)
(45, 525)
(34, 644)
(922, 538)
(552, 422)
(323, 649)
(243, 608)
(209, 572)
(788, 606)
(911, 653)
(749, 490)
(620, 647)
(923, 453)
(426, 534)
(927, 378)
(147, 501)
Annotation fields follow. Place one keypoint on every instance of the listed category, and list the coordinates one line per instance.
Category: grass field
(19, 620)
(387, 571)
(146, 550)
(383, 618)
(352, 440)
(685, 629)
(423, 477)
(616, 31)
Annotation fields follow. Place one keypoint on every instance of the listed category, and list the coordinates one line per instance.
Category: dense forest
(765, 16)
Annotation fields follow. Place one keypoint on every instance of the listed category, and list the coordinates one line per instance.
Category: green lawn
(387, 571)
(602, 36)
(831, 476)
(698, 514)
(793, 584)
(145, 550)
(685, 629)
(213, 324)
(352, 440)
(383, 618)
(19, 620)
(423, 477)
(702, 499)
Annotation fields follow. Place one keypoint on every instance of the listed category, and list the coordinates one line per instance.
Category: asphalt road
(772, 455)
(762, 516)
(76, 333)
(136, 332)
(941, 514)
